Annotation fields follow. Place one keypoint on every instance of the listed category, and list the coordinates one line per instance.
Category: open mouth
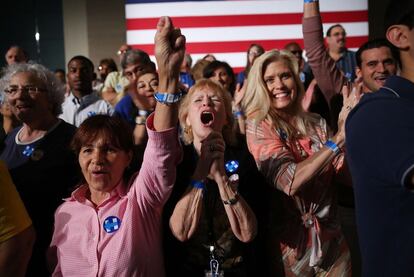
(381, 78)
(207, 118)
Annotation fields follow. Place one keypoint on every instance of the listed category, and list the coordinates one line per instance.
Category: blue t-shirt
(380, 153)
(126, 109)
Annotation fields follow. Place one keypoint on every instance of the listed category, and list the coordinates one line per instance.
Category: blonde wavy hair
(227, 132)
(256, 102)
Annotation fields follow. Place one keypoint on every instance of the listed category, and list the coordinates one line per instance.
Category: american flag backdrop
(227, 28)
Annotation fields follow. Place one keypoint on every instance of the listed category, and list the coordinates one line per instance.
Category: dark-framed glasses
(31, 90)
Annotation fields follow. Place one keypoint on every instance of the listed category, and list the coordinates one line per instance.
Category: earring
(187, 130)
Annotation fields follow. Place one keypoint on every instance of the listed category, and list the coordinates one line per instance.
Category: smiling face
(377, 64)
(102, 165)
(28, 106)
(281, 86)
(147, 85)
(206, 112)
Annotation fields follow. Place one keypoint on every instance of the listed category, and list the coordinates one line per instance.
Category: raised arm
(169, 52)
(329, 78)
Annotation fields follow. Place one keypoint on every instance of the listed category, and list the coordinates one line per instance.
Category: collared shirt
(380, 153)
(76, 110)
(121, 236)
(347, 64)
(117, 81)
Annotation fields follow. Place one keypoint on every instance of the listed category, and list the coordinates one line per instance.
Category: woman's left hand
(212, 154)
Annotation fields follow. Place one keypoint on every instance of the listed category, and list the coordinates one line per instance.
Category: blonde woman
(298, 157)
(212, 206)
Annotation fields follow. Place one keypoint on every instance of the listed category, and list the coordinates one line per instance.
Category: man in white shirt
(82, 101)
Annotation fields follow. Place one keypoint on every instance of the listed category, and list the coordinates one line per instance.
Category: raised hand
(211, 161)
(169, 49)
(351, 95)
(239, 93)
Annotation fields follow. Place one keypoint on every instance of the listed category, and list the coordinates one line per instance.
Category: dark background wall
(104, 30)
(18, 25)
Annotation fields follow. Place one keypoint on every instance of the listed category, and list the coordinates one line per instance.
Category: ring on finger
(348, 108)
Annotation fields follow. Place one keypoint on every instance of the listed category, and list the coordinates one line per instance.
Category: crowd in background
(296, 166)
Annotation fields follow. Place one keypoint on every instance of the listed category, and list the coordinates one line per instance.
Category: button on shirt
(129, 243)
(76, 110)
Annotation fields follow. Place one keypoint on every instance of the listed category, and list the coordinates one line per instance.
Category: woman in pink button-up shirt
(109, 226)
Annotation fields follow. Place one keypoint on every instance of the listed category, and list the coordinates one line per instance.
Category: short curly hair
(55, 90)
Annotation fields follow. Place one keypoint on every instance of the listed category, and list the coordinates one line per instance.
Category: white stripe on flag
(149, 10)
(245, 33)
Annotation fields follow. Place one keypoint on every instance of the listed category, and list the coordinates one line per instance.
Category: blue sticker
(91, 113)
(232, 166)
(348, 76)
(28, 151)
(111, 224)
(282, 134)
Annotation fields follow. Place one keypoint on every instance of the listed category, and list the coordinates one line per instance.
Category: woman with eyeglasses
(37, 154)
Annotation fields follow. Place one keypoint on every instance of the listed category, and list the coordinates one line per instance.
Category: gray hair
(134, 56)
(55, 91)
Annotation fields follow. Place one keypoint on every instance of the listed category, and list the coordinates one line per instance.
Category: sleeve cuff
(159, 138)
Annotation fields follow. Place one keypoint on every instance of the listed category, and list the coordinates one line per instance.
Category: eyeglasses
(31, 90)
(120, 52)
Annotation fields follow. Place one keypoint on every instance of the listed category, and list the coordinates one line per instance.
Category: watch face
(140, 120)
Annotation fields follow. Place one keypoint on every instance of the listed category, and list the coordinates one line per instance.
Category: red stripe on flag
(242, 46)
(245, 20)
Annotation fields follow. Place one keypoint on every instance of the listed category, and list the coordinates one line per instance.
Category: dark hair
(110, 63)
(84, 59)
(400, 12)
(213, 66)
(113, 129)
(376, 43)
(248, 64)
(59, 70)
(134, 56)
(328, 32)
(23, 51)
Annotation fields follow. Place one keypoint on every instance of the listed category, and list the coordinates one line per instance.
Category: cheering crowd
(294, 167)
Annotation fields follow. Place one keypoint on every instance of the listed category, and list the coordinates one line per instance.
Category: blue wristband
(168, 98)
(333, 146)
(238, 114)
(197, 184)
(310, 1)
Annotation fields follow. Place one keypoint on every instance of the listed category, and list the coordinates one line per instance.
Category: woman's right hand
(351, 96)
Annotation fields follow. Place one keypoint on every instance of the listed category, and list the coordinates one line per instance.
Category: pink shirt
(122, 236)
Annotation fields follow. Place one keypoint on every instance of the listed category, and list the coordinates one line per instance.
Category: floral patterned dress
(306, 228)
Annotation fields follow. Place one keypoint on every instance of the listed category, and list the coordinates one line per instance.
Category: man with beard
(82, 101)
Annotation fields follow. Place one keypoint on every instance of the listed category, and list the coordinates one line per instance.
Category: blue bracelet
(168, 98)
(197, 184)
(333, 146)
(310, 1)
